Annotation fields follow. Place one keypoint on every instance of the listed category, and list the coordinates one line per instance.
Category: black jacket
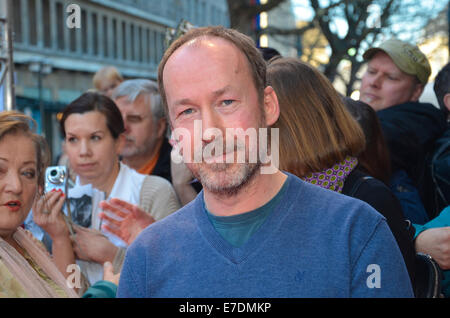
(379, 196)
(434, 187)
(162, 167)
(410, 130)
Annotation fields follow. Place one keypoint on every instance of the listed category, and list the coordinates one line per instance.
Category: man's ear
(447, 101)
(271, 106)
(418, 90)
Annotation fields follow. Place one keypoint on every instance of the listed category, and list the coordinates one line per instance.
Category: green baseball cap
(407, 57)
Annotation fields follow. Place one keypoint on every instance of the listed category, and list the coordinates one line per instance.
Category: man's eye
(227, 102)
(187, 111)
(134, 119)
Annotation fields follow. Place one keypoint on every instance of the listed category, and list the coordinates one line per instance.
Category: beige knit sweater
(158, 197)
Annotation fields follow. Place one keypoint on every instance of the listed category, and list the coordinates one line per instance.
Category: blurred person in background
(322, 143)
(436, 184)
(92, 128)
(146, 148)
(26, 268)
(433, 237)
(106, 80)
(392, 84)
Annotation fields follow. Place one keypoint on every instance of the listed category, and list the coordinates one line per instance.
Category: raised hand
(48, 215)
(125, 220)
(92, 245)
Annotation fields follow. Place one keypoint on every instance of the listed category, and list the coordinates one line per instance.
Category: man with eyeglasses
(146, 149)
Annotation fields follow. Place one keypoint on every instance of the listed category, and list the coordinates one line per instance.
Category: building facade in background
(55, 60)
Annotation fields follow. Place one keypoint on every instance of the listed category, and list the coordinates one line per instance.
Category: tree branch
(294, 31)
(252, 10)
(323, 19)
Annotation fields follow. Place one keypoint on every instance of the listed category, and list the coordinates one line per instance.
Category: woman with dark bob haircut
(89, 102)
(93, 131)
(320, 142)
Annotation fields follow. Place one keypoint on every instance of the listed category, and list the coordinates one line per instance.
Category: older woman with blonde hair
(26, 269)
(321, 143)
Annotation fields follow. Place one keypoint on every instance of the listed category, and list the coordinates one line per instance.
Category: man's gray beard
(234, 182)
(134, 151)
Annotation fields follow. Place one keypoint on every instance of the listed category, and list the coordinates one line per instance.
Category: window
(32, 12)
(114, 39)
(46, 23)
(17, 25)
(106, 32)
(133, 56)
(60, 25)
(84, 32)
(124, 41)
(94, 34)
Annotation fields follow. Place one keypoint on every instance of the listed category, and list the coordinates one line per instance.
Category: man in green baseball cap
(396, 73)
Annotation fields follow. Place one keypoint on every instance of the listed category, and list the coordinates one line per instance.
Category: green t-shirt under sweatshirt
(237, 229)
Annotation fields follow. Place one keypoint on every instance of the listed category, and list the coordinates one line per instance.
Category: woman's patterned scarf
(333, 178)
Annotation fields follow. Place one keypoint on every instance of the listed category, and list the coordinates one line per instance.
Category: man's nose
(126, 126)
(210, 124)
(376, 81)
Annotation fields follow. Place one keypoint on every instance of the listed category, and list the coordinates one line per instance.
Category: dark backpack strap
(441, 150)
(357, 184)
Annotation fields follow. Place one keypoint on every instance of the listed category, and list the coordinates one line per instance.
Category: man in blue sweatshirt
(252, 231)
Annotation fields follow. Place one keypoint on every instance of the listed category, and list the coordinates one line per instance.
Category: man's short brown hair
(244, 43)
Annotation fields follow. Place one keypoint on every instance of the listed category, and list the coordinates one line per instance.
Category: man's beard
(130, 149)
(224, 178)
